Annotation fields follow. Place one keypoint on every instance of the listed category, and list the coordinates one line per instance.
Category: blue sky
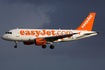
(85, 54)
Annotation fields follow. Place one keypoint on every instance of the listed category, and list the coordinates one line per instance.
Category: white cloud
(24, 15)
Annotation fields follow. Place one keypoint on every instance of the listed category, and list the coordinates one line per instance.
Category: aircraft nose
(4, 37)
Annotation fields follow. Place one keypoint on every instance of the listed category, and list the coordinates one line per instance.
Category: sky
(85, 54)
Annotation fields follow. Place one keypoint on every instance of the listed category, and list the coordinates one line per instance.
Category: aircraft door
(17, 33)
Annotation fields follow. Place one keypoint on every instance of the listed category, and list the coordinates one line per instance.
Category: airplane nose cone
(4, 37)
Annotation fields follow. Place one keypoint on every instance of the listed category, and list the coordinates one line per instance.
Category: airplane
(41, 37)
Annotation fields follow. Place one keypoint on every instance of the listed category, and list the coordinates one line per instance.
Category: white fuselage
(31, 34)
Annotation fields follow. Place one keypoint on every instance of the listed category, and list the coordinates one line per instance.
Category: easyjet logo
(87, 21)
(37, 33)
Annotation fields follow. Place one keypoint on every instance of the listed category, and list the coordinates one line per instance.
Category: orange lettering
(32, 32)
(43, 33)
(27, 32)
(48, 33)
(58, 32)
(62, 32)
(53, 32)
(22, 32)
(37, 32)
(68, 32)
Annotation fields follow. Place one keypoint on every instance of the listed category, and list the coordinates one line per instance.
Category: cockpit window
(8, 33)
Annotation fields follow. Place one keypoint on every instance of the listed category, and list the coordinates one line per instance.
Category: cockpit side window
(8, 33)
